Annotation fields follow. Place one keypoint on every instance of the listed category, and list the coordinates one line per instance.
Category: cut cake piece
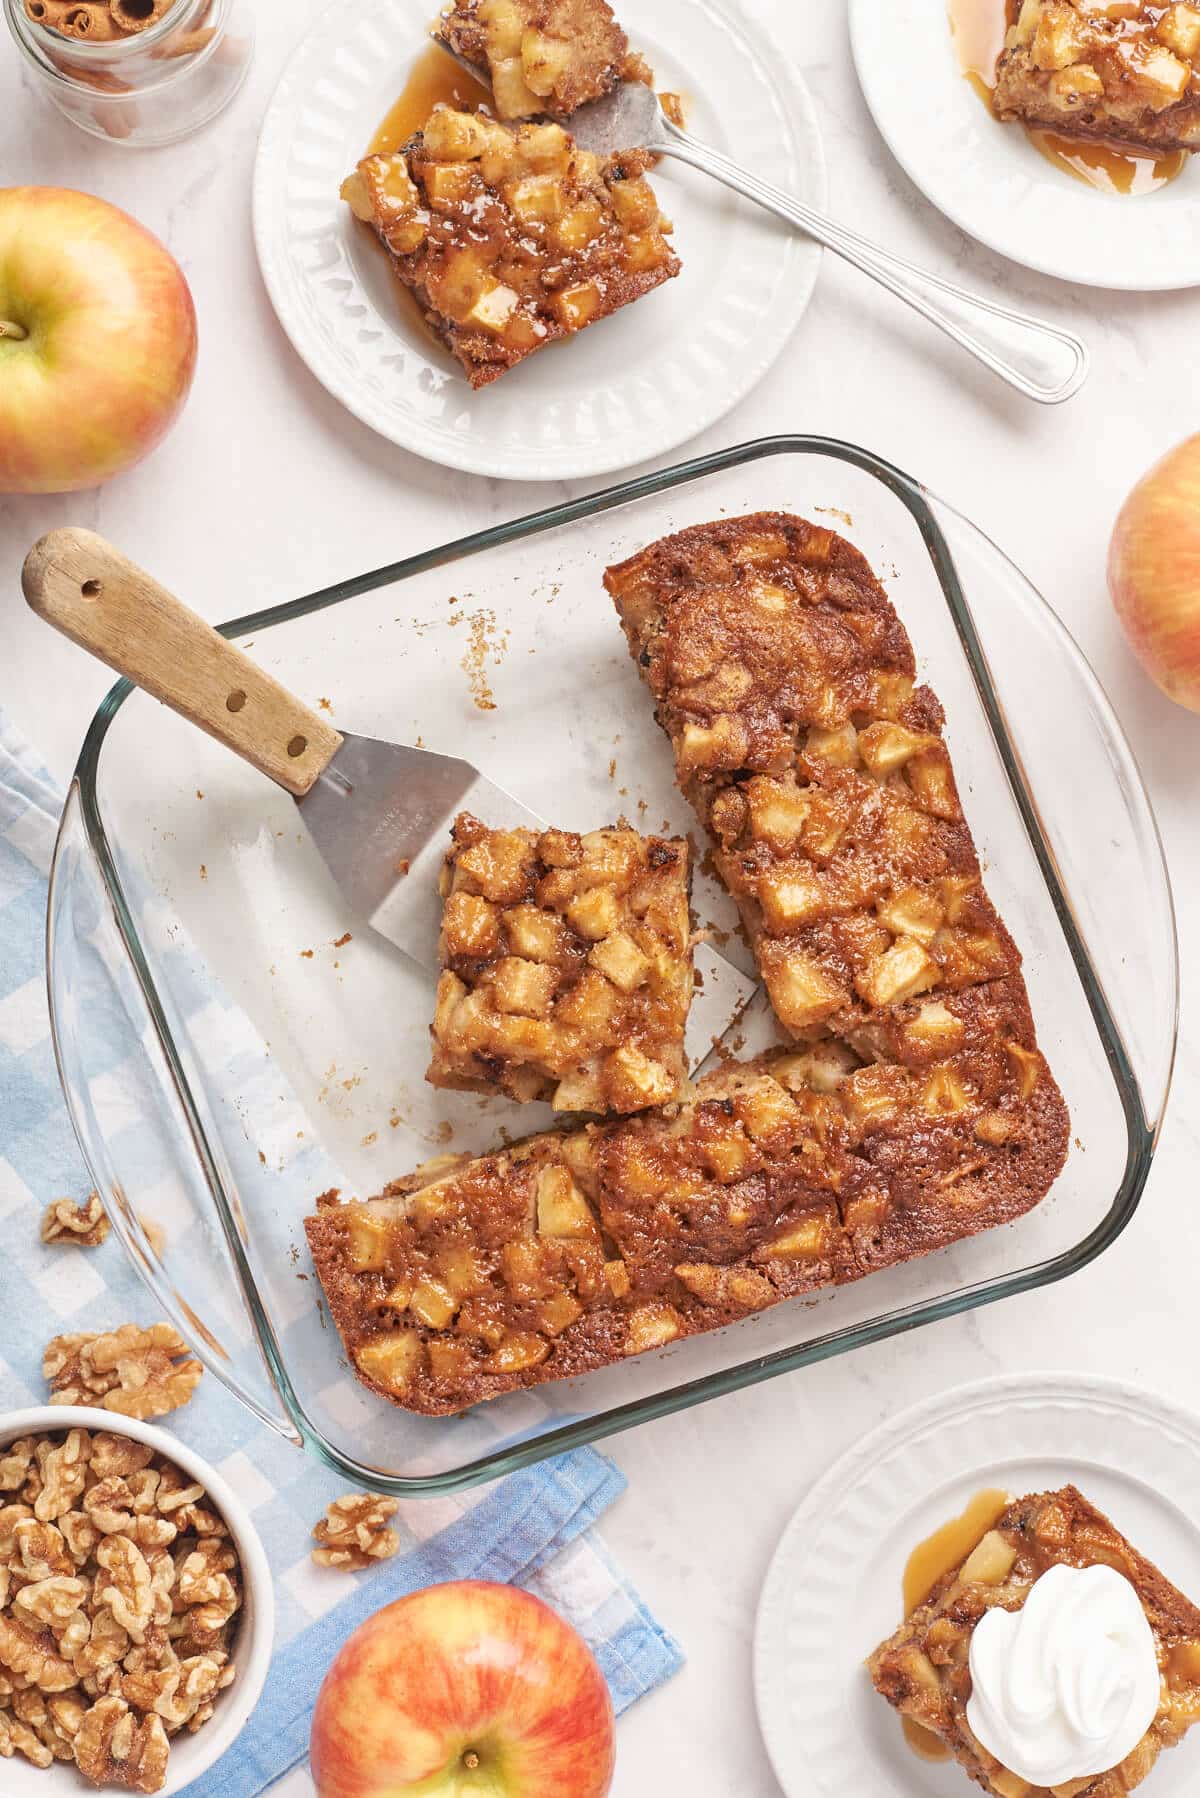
(539, 56)
(788, 688)
(1123, 70)
(923, 1669)
(772, 1178)
(511, 237)
(567, 967)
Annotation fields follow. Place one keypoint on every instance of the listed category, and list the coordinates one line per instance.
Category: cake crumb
(341, 941)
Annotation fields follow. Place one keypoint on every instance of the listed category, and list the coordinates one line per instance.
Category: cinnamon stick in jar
(48, 13)
(138, 15)
(90, 23)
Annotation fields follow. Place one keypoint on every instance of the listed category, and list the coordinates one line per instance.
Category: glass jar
(143, 88)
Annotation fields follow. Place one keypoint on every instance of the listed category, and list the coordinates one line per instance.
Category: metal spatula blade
(379, 813)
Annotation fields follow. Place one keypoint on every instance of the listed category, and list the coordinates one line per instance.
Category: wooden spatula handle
(108, 605)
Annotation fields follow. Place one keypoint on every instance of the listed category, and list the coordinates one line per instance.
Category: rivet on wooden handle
(93, 594)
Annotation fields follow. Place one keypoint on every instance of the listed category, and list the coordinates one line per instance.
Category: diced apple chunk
(801, 992)
(523, 988)
(777, 811)
(470, 925)
(791, 898)
(944, 1093)
(518, 1350)
(730, 1154)
(738, 1289)
(534, 198)
(1028, 1066)
(595, 914)
(504, 26)
(369, 1239)
(394, 1360)
(905, 969)
(722, 744)
(1076, 85)
(912, 912)
(1060, 38)
(451, 136)
(616, 1278)
(450, 184)
(562, 1209)
(1179, 30)
(803, 1241)
(932, 783)
(884, 747)
(558, 1313)
(545, 148)
(634, 203)
(637, 1079)
(765, 1109)
(838, 747)
(579, 225)
(822, 1070)
(514, 97)
(534, 934)
(433, 1303)
(494, 307)
(544, 60)
(621, 961)
(577, 306)
(935, 1027)
(650, 1326)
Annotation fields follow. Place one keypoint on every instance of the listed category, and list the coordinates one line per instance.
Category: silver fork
(1039, 359)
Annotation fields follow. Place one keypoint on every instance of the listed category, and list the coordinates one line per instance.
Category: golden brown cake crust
(923, 1668)
(776, 1177)
(571, 50)
(1118, 70)
(567, 967)
(510, 237)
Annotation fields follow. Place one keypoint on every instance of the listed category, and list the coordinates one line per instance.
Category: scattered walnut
(353, 1532)
(85, 1224)
(113, 1748)
(137, 1372)
(119, 1589)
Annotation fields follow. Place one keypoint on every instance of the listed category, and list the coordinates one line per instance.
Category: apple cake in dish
(566, 967)
(539, 56)
(770, 1179)
(511, 237)
(1123, 70)
(924, 1670)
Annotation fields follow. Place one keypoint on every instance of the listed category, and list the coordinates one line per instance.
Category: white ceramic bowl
(190, 1755)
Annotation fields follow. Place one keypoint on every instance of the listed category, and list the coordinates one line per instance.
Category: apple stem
(470, 1760)
(9, 329)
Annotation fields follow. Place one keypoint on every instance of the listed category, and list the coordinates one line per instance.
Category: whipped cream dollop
(1067, 1686)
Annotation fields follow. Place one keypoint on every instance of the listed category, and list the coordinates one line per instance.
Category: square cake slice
(567, 967)
(924, 1669)
(511, 237)
(540, 56)
(1123, 70)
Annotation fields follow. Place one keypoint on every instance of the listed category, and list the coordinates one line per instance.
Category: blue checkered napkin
(534, 1527)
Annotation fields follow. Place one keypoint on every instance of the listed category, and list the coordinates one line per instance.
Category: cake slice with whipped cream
(1055, 1661)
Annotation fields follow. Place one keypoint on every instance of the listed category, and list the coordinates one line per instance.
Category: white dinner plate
(993, 183)
(629, 388)
(833, 1591)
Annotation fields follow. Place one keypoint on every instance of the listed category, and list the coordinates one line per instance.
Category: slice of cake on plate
(1055, 1645)
(1123, 70)
(511, 237)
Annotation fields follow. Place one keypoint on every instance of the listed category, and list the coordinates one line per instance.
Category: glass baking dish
(231, 1042)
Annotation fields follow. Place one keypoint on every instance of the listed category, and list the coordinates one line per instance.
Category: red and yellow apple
(1154, 572)
(464, 1690)
(97, 340)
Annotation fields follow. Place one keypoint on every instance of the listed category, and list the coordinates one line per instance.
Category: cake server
(1041, 360)
(379, 813)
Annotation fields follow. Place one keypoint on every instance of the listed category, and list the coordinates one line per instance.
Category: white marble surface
(267, 489)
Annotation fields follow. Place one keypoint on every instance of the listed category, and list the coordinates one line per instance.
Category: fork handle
(109, 606)
(1039, 359)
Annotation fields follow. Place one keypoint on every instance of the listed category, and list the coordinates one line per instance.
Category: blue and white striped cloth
(534, 1528)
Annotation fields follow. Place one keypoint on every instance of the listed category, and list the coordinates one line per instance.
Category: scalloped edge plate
(991, 182)
(630, 388)
(832, 1592)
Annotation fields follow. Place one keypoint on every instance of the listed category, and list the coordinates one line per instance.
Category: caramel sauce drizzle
(929, 1562)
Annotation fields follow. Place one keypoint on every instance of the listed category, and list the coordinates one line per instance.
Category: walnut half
(86, 1225)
